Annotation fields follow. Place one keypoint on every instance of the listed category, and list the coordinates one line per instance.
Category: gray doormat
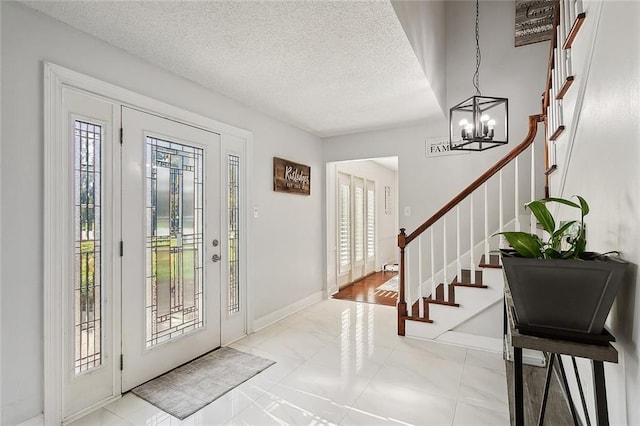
(185, 390)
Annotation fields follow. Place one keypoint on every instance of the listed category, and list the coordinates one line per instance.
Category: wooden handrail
(528, 140)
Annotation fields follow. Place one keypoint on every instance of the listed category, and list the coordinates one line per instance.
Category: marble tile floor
(342, 363)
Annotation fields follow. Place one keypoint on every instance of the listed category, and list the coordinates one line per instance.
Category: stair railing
(415, 310)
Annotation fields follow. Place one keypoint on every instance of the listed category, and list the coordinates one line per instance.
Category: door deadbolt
(215, 243)
(215, 258)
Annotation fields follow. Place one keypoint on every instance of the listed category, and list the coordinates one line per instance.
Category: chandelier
(480, 122)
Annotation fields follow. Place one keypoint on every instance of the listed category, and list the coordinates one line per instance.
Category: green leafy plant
(531, 245)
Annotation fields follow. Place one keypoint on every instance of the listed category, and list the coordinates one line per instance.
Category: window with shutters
(358, 224)
(371, 221)
(344, 224)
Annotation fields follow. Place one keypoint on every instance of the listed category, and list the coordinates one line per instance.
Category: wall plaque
(439, 147)
(291, 177)
(534, 21)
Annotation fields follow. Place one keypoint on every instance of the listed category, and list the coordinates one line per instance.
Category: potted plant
(559, 289)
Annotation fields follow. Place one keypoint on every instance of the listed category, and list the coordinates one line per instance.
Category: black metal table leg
(545, 394)
(565, 385)
(518, 385)
(602, 412)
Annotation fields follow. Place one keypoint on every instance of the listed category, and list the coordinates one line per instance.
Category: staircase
(448, 271)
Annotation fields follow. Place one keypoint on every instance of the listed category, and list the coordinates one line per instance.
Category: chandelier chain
(476, 75)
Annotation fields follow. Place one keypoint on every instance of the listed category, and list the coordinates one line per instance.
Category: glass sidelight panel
(174, 246)
(87, 246)
(234, 233)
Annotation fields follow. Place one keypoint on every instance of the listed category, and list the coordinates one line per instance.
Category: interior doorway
(362, 219)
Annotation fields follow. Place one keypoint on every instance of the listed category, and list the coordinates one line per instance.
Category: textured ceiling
(327, 67)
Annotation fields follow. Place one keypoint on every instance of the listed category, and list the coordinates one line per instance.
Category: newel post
(402, 304)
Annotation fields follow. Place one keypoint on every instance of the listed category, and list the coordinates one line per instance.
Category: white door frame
(55, 268)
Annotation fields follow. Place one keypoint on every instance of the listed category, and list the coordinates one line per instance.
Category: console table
(598, 354)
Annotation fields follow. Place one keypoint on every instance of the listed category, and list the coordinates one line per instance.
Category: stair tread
(418, 319)
(469, 285)
(428, 299)
(494, 262)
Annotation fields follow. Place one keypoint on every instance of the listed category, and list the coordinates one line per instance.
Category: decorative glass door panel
(87, 260)
(170, 219)
(174, 240)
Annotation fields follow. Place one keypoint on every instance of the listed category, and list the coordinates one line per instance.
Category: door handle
(215, 258)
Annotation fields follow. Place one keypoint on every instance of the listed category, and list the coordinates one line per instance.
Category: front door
(171, 245)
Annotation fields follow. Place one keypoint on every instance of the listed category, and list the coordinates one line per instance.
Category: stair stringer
(472, 301)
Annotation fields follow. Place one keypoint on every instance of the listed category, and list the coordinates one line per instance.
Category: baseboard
(91, 409)
(282, 313)
(529, 356)
(484, 343)
(34, 421)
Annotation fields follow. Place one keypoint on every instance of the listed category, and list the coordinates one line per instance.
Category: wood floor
(364, 290)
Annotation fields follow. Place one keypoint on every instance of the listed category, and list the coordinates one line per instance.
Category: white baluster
(501, 207)
(407, 281)
(444, 256)
(486, 222)
(559, 114)
(420, 293)
(532, 223)
(578, 9)
(568, 65)
(549, 122)
(570, 11)
(472, 256)
(516, 195)
(559, 63)
(554, 77)
(433, 267)
(458, 262)
(562, 26)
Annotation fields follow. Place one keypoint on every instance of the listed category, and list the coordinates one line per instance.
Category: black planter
(567, 299)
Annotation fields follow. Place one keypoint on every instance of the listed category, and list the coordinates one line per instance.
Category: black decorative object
(564, 298)
(479, 122)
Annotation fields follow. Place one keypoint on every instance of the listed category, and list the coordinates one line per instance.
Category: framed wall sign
(387, 200)
(534, 21)
(291, 177)
(440, 146)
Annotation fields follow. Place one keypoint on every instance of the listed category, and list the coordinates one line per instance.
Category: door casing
(56, 196)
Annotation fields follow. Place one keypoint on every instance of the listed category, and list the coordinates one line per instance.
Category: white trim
(54, 237)
(290, 309)
(34, 421)
(472, 341)
(1, 403)
(90, 409)
(55, 273)
(137, 101)
(582, 90)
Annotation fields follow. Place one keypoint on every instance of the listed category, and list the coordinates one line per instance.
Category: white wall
(1, 400)
(426, 184)
(425, 25)
(600, 162)
(288, 259)
(386, 224)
